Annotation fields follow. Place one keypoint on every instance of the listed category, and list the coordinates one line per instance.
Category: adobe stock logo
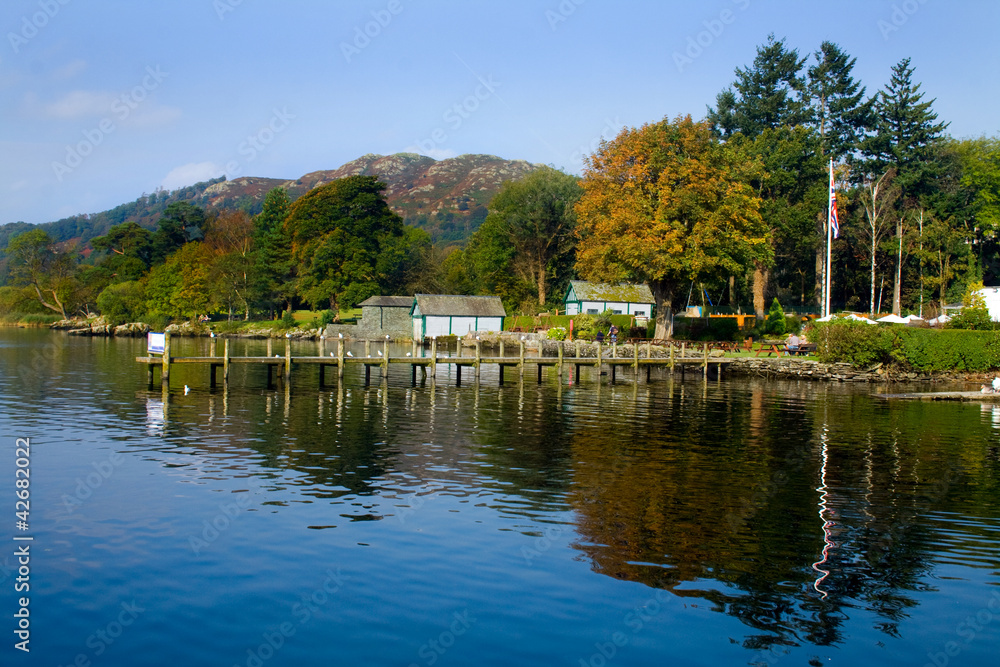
(36, 22)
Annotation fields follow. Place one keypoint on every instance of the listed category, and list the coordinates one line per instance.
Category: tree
(338, 231)
(123, 302)
(182, 286)
(181, 222)
(275, 284)
(841, 113)
(878, 197)
(905, 134)
(535, 217)
(230, 238)
(667, 204)
(35, 262)
(129, 249)
(775, 323)
(770, 93)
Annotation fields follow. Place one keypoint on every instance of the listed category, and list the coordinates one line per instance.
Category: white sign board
(155, 342)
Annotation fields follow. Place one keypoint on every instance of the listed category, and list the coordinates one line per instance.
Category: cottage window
(592, 311)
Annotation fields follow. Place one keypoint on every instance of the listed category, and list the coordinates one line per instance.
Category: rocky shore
(99, 327)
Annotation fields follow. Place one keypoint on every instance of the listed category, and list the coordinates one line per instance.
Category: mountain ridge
(447, 198)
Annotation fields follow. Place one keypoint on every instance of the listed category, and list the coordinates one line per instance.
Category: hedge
(862, 344)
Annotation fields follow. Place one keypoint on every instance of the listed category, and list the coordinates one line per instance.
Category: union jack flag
(834, 223)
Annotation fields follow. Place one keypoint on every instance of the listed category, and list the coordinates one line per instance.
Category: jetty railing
(280, 366)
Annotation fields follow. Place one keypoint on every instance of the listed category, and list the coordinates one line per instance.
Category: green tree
(534, 216)
(775, 323)
(123, 302)
(36, 262)
(841, 113)
(974, 313)
(129, 250)
(770, 93)
(180, 223)
(338, 231)
(905, 134)
(182, 286)
(667, 204)
(275, 283)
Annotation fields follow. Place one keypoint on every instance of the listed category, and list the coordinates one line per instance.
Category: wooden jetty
(280, 367)
(943, 396)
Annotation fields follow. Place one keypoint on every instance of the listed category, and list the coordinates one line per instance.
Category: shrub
(556, 333)
(922, 349)
(327, 317)
(706, 328)
(288, 320)
(122, 303)
(775, 323)
(974, 315)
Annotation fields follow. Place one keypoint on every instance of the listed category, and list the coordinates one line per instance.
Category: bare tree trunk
(897, 288)
(541, 283)
(663, 295)
(760, 275)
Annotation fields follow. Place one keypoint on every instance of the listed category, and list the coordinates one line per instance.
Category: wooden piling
(520, 362)
(340, 359)
(385, 358)
(599, 362)
(479, 357)
(368, 348)
(671, 357)
(704, 367)
(434, 356)
(270, 346)
(165, 370)
(211, 347)
(288, 361)
(559, 364)
(635, 360)
(225, 362)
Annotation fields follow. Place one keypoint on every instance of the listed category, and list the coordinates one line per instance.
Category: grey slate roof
(388, 301)
(623, 292)
(460, 306)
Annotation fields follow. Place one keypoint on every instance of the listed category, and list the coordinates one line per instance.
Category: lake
(680, 522)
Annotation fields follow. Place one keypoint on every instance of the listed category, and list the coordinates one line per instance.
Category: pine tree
(273, 253)
(905, 133)
(769, 94)
(840, 111)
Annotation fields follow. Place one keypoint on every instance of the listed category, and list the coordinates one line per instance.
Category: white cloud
(436, 153)
(80, 103)
(191, 173)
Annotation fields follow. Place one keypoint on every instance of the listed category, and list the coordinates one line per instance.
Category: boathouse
(452, 315)
(381, 316)
(621, 299)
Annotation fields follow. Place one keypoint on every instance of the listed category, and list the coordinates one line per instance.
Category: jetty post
(368, 348)
(704, 367)
(211, 346)
(340, 359)
(165, 369)
(520, 361)
(225, 362)
(479, 356)
(559, 364)
(635, 361)
(385, 358)
(288, 360)
(600, 358)
(270, 346)
(434, 356)
(671, 358)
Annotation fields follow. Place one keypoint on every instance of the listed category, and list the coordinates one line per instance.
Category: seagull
(379, 352)
(186, 390)
(276, 356)
(288, 335)
(408, 354)
(331, 354)
(340, 335)
(349, 353)
(996, 383)
(212, 334)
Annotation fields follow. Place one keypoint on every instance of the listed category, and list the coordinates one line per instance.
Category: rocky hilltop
(448, 198)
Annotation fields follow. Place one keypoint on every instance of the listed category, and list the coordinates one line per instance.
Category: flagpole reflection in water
(827, 523)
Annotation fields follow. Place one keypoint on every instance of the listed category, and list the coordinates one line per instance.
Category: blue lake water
(725, 522)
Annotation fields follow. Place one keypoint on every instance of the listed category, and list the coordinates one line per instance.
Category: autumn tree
(230, 238)
(338, 231)
(668, 204)
(183, 286)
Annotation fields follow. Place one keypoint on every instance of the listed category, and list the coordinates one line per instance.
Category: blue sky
(102, 101)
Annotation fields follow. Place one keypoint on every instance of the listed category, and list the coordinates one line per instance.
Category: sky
(102, 101)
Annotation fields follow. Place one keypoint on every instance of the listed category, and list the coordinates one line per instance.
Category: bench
(803, 349)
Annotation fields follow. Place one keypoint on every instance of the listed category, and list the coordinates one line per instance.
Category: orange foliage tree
(667, 204)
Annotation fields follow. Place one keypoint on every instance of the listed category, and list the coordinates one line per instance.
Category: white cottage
(622, 299)
(449, 315)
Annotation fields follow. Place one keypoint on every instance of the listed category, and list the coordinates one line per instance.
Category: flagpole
(829, 229)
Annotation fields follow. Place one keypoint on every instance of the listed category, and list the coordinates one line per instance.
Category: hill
(447, 198)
